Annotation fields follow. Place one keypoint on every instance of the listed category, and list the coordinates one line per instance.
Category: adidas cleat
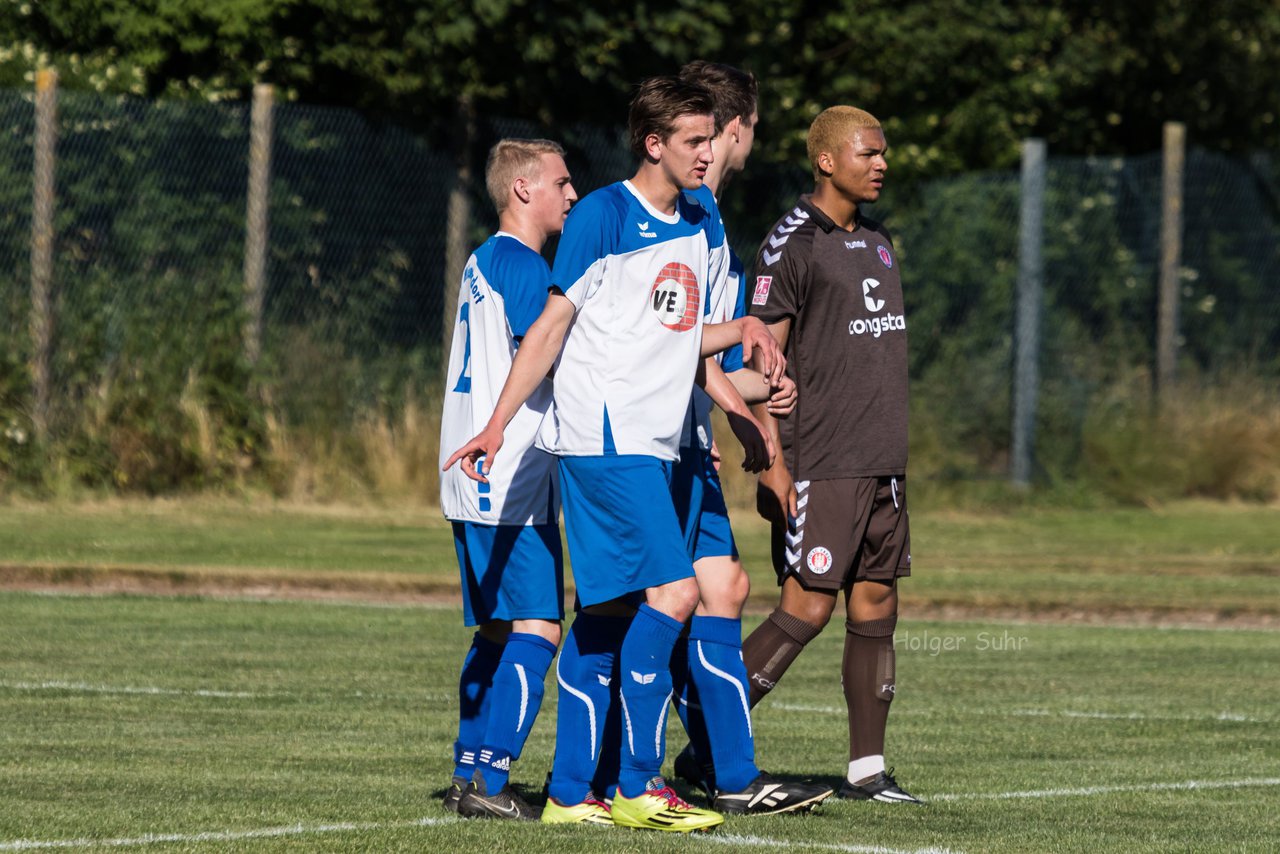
(768, 795)
(453, 794)
(590, 811)
(660, 808)
(881, 788)
(693, 772)
(477, 803)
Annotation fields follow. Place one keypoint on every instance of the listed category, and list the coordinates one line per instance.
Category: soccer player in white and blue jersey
(505, 530)
(710, 678)
(624, 329)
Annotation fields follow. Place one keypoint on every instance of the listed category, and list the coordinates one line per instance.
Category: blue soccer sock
(473, 702)
(514, 703)
(645, 692)
(585, 675)
(715, 664)
(688, 704)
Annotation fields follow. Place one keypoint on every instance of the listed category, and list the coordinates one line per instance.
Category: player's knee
(677, 599)
(548, 630)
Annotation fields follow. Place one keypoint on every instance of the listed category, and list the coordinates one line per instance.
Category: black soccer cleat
(882, 788)
(768, 795)
(693, 772)
(453, 794)
(477, 803)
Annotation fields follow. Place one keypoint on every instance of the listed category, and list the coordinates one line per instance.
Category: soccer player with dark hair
(827, 283)
(506, 531)
(624, 329)
(710, 679)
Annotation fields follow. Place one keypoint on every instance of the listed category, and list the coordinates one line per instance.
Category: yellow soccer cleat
(662, 809)
(590, 811)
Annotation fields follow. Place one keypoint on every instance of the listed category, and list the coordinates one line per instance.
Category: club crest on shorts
(819, 560)
(761, 295)
(883, 252)
(676, 298)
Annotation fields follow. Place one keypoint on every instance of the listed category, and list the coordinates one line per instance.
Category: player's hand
(757, 447)
(485, 445)
(776, 495)
(783, 400)
(757, 339)
(714, 453)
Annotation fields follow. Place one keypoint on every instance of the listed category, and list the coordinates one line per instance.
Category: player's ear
(734, 128)
(826, 165)
(653, 146)
(521, 189)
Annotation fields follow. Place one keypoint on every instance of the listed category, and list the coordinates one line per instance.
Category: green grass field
(199, 725)
(230, 722)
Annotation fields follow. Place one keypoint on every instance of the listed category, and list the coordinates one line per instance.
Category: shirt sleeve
(523, 279)
(782, 274)
(732, 359)
(588, 238)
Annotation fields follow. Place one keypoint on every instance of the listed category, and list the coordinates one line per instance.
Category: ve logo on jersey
(675, 297)
(873, 304)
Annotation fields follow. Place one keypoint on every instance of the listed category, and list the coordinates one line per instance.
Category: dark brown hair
(658, 102)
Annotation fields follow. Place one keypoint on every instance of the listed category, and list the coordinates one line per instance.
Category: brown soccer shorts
(845, 530)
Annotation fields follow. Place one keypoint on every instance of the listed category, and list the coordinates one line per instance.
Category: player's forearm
(721, 336)
(722, 391)
(534, 360)
(770, 425)
(751, 384)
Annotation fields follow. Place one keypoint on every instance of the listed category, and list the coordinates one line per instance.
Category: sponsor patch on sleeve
(761, 295)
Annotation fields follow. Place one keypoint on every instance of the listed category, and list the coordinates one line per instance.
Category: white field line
(217, 835)
(151, 690)
(1229, 717)
(1189, 785)
(717, 838)
(739, 841)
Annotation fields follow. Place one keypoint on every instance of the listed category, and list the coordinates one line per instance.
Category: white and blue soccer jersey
(504, 289)
(724, 303)
(637, 278)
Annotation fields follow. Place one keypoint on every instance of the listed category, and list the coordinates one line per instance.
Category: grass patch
(1185, 558)
(130, 716)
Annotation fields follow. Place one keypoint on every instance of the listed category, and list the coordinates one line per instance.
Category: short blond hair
(510, 159)
(832, 128)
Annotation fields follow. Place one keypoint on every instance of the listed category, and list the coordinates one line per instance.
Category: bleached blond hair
(832, 128)
(510, 159)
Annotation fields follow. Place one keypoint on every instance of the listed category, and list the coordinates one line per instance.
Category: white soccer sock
(867, 766)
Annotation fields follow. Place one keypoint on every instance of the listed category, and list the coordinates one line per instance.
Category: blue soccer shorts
(510, 572)
(621, 526)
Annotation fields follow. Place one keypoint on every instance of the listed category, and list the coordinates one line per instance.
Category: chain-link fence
(148, 362)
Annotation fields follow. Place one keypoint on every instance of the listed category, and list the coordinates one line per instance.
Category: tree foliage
(958, 82)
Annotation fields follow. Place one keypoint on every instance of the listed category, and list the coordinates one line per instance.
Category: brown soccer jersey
(847, 351)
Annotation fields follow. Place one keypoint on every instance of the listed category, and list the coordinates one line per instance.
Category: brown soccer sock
(868, 675)
(769, 650)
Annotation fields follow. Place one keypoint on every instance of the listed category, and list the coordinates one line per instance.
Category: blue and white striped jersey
(504, 289)
(637, 278)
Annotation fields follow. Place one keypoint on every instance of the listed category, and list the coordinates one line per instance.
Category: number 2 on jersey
(464, 379)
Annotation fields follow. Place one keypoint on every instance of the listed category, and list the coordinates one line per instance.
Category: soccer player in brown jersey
(827, 284)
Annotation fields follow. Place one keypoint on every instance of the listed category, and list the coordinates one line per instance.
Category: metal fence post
(1175, 157)
(1027, 318)
(458, 246)
(257, 215)
(46, 133)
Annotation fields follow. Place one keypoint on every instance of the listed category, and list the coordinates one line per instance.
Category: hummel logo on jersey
(855, 244)
(873, 304)
(644, 230)
(643, 678)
